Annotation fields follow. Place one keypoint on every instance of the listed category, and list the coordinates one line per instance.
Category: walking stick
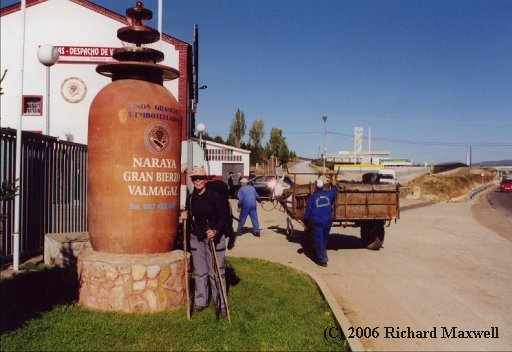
(218, 279)
(186, 267)
(218, 283)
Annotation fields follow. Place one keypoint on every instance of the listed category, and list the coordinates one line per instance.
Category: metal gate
(53, 190)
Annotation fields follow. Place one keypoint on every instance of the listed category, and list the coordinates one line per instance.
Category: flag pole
(16, 229)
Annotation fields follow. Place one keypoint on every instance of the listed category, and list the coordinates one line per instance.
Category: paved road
(439, 269)
(501, 201)
(494, 210)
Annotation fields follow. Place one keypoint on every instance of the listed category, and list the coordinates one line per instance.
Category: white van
(387, 176)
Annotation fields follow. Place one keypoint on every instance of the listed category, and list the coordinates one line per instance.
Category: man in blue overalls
(248, 200)
(318, 216)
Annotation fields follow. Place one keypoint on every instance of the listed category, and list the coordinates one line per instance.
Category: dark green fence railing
(53, 190)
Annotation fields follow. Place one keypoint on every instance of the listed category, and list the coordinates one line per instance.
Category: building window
(32, 105)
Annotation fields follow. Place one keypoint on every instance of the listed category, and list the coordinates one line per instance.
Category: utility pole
(325, 138)
(369, 145)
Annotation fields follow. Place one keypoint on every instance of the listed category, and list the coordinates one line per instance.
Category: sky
(429, 78)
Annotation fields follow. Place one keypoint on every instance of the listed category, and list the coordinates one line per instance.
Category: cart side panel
(299, 208)
(300, 196)
(354, 201)
(362, 201)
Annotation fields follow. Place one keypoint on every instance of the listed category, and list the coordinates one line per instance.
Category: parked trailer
(357, 204)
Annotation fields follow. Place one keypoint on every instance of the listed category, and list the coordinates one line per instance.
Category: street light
(48, 55)
(325, 137)
(201, 128)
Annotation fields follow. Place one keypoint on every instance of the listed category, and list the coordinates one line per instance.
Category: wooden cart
(357, 204)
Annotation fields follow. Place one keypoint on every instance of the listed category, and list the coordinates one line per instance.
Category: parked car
(506, 185)
(265, 185)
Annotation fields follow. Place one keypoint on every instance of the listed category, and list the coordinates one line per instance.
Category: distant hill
(494, 163)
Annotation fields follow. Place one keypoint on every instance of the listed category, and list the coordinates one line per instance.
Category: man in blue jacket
(247, 202)
(318, 216)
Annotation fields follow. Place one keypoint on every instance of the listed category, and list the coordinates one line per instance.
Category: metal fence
(53, 190)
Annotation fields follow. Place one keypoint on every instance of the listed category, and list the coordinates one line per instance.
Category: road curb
(354, 344)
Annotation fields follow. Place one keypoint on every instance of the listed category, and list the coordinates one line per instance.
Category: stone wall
(132, 282)
(63, 249)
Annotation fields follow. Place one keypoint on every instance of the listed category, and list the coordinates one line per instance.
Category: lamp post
(48, 55)
(201, 128)
(325, 138)
(191, 118)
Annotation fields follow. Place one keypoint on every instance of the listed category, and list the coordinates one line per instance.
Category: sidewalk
(439, 269)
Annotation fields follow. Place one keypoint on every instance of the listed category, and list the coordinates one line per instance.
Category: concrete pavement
(440, 272)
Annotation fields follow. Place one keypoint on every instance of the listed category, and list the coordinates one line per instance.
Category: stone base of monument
(131, 282)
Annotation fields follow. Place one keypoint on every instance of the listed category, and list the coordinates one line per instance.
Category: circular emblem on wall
(73, 90)
(157, 138)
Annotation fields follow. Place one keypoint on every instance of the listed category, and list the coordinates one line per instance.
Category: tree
(256, 133)
(274, 142)
(237, 129)
(231, 139)
(277, 146)
(8, 191)
(217, 139)
(284, 154)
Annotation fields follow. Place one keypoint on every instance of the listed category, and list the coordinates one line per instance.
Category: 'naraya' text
(443, 332)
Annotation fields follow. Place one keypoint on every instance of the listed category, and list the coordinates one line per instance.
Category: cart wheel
(268, 205)
(372, 234)
(290, 231)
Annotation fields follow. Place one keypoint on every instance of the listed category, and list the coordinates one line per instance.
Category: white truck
(387, 176)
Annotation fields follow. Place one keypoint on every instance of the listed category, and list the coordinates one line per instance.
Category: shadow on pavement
(247, 231)
(336, 241)
(340, 241)
(279, 230)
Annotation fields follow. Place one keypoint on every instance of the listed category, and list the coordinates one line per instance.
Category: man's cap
(198, 171)
(244, 180)
(319, 183)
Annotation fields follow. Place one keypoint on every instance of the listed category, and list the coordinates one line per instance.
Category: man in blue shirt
(318, 216)
(247, 201)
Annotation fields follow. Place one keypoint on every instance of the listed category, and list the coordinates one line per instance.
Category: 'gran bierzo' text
(165, 175)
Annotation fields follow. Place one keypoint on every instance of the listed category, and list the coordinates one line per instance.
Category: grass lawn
(272, 307)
